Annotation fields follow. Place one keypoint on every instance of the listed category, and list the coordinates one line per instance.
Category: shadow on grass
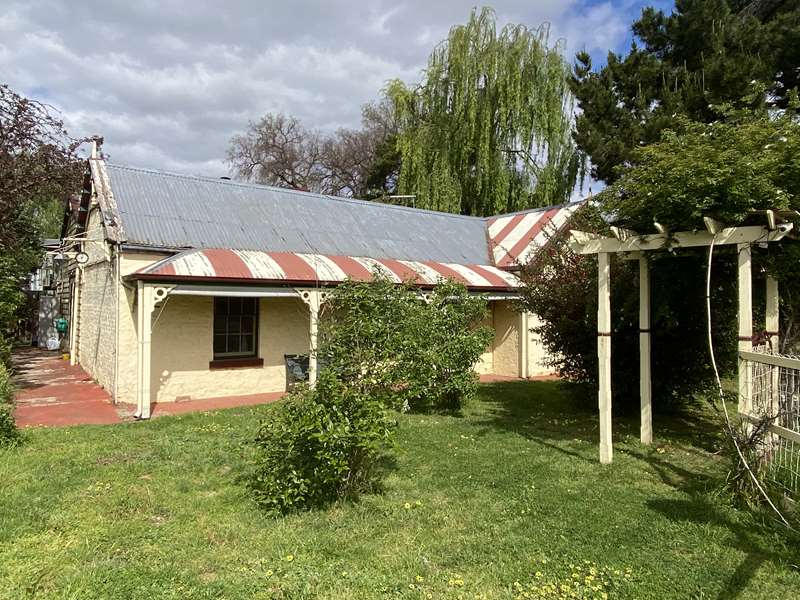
(698, 508)
(550, 413)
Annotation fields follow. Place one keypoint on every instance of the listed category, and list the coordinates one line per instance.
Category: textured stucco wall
(182, 349)
(486, 361)
(128, 345)
(537, 355)
(506, 340)
(97, 316)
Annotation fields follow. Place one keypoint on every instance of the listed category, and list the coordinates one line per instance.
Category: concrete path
(52, 393)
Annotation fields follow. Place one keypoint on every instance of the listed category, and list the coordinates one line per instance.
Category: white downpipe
(117, 290)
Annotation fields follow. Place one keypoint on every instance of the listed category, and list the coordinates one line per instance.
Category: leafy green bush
(561, 288)
(6, 387)
(9, 434)
(320, 445)
(407, 351)
(382, 346)
(5, 351)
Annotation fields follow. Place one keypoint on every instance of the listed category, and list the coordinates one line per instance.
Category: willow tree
(489, 129)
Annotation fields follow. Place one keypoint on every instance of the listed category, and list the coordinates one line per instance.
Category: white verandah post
(645, 385)
(604, 354)
(144, 322)
(745, 323)
(312, 298)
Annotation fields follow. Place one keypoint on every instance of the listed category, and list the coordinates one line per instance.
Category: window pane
(247, 324)
(247, 343)
(220, 344)
(235, 326)
(220, 324)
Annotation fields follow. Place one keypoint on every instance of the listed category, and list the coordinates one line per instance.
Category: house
(197, 287)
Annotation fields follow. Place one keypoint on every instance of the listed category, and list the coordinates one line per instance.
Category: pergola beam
(586, 243)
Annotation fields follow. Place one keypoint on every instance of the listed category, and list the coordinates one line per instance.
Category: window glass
(235, 327)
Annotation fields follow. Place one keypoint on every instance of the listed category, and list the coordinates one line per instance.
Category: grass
(474, 507)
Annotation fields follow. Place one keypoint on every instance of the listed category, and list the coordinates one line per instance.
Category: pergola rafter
(636, 246)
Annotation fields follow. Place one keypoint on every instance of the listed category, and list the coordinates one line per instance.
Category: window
(235, 327)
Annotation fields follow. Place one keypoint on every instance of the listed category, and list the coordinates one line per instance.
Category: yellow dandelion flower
(289, 557)
(407, 505)
(269, 572)
(420, 578)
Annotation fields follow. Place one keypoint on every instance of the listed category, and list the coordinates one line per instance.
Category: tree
(742, 162)
(39, 166)
(278, 150)
(705, 53)
(488, 130)
(560, 290)
(745, 161)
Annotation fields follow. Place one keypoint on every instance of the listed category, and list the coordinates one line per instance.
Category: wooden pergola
(635, 246)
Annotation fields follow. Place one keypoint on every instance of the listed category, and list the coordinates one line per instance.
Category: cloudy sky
(167, 82)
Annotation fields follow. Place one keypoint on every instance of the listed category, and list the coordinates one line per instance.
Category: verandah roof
(251, 266)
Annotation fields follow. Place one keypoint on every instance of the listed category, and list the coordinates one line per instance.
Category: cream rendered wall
(182, 349)
(486, 361)
(506, 339)
(128, 344)
(97, 316)
(537, 355)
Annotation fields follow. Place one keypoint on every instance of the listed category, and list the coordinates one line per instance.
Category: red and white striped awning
(242, 266)
(515, 239)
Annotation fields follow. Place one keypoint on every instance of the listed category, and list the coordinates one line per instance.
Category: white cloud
(167, 82)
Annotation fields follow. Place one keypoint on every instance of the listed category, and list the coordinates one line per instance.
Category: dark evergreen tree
(706, 52)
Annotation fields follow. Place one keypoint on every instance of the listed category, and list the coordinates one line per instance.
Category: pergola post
(745, 322)
(772, 313)
(772, 322)
(645, 385)
(145, 304)
(604, 354)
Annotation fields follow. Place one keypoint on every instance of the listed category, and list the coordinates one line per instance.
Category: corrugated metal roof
(291, 267)
(167, 210)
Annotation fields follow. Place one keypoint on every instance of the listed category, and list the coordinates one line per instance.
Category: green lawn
(474, 507)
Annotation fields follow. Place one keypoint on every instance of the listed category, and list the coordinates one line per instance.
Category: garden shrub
(561, 288)
(408, 352)
(318, 446)
(5, 351)
(382, 347)
(9, 434)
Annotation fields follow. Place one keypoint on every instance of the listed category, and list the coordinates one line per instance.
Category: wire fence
(774, 394)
